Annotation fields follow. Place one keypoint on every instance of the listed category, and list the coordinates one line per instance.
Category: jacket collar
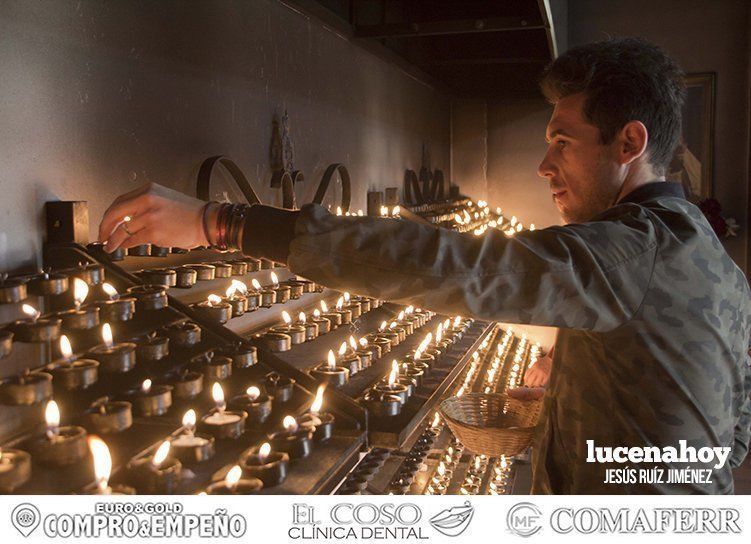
(652, 190)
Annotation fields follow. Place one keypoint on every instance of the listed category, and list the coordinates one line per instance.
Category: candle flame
(400, 317)
(393, 373)
(146, 386)
(52, 415)
(109, 290)
(428, 338)
(66, 350)
(264, 451)
(532, 226)
(346, 296)
(161, 454)
(331, 359)
(418, 353)
(240, 286)
(316, 313)
(233, 476)
(102, 462)
(301, 317)
(409, 310)
(253, 392)
(396, 211)
(439, 333)
(318, 402)
(382, 326)
(392, 325)
(363, 342)
(107, 335)
(436, 420)
(289, 423)
(189, 419)
(343, 349)
(395, 367)
(217, 394)
(285, 316)
(32, 312)
(352, 342)
(324, 307)
(274, 279)
(255, 284)
(80, 290)
(214, 300)
(457, 320)
(338, 210)
(441, 469)
(519, 227)
(339, 303)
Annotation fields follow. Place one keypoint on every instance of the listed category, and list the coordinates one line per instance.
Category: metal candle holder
(238, 303)
(239, 268)
(152, 348)
(43, 329)
(76, 375)
(335, 377)
(224, 424)
(159, 251)
(254, 265)
(279, 388)
(205, 272)
(321, 423)
(382, 404)
(156, 401)
(49, 284)
(186, 384)
(242, 355)
(150, 479)
(297, 444)
(296, 288)
(92, 274)
(26, 389)
(15, 469)
(142, 250)
(276, 341)
(258, 409)
(106, 416)
(282, 293)
(66, 447)
(271, 469)
(184, 335)
(216, 368)
(118, 310)
(150, 297)
(216, 312)
(83, 319)
(191, 448)
(186, 277)
(6, 343)
(222, 269)
(159, 276)
(118, 359)
(296, 333)
(324, 325)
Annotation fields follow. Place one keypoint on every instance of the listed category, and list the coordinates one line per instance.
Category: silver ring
(124, 225)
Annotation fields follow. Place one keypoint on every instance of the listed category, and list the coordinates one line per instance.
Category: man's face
(581, 171)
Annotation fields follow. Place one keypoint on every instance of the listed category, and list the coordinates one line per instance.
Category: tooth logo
(25, 518)
(453, 521)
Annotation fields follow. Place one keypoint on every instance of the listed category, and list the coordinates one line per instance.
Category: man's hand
(158, 215)
(538, 374)
(526, 393)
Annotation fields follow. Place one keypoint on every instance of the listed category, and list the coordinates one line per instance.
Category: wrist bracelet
(204, 221)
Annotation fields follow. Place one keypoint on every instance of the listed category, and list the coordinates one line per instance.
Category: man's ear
(633, 140)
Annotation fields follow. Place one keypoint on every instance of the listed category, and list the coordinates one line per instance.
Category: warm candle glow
(340, 303)
(301, 317)
(240, 286)
(264, 451)
(32, 312)
(409, 309)
(107, 335)
(274, 279)
(80, 291)
(457, 320)
(255, 284)
(392, 325)
(214, 300)
(289, 423)
(436, 420)
(66, 350)
(217, 394)
(233, 476)
(253, 392)
(331, 360)
(52, 418)
(382, 326)
(161, 454)
(286, 318)
(343, 349)
(346, 296)
(441, 469)
(364, 342)
(146, 386)
(110, 291)
(324, 307)
(352, 342)
(189, 420)
(338, 210)
(318, 402)
(392, 374)
(396, 210)
(400, 317)
(316, 313)
(102, 462)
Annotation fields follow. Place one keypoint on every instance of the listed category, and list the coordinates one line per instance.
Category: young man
(654, 316)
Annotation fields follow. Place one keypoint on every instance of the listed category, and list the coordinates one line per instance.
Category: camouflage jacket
(655, 318)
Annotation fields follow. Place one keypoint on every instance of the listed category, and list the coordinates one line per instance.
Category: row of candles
(47, 283)
(479, 218)
(158, 473)
(324, 320)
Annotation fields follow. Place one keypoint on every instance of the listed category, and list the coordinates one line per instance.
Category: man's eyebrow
(557, 132)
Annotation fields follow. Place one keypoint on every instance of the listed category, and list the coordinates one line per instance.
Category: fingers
(143, 236)
(126, 230)
(125, 204)
(535, 377)
(527, 393)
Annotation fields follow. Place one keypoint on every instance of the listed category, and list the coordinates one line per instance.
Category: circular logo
(523, 519)
(25, 518)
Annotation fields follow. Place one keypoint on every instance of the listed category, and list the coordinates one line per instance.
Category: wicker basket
(491, 424)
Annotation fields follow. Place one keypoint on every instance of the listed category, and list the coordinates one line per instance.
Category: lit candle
(335, 318)
(252, 298)
(108, 416)
(296, 332)
(294, 439)
(267, 295)
(346, 313)
(329, 372)
(254, 403)
(102, 469)
(214, 309)
(73, 374)
(190, 447)
(362, 352)
(26, 388)
(354, 307)
(117, 358)
(236, 299)
(282, 291)
(269, 466)
(149, 298)
(222, 423)
(348, 358)
(311, 327)
(323, 324)
(115, 308)
(235, 484)
(151, 400)
(392, 386)
(58, 446)
(159, 473)
(34, 328)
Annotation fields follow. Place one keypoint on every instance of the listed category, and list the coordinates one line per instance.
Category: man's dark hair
(625, 79)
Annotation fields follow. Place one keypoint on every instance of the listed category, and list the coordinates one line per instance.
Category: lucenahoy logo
(453, 521)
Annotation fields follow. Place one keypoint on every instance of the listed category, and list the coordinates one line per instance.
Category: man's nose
(545, 169)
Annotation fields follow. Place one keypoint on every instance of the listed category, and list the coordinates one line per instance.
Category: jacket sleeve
(591, 276)
(742, 434)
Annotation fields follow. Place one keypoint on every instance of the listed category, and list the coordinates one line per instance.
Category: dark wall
(97, 98)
